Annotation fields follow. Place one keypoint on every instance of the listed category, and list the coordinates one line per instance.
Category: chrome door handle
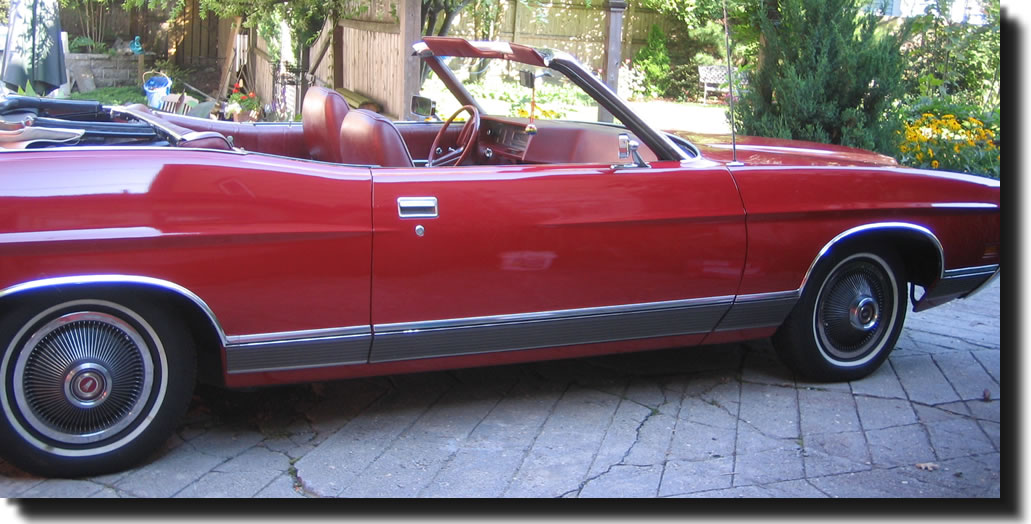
(417, 207)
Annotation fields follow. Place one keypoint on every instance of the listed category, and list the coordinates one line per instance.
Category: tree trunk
(764, 60)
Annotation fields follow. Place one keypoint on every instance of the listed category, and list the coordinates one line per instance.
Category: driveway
(715, 421)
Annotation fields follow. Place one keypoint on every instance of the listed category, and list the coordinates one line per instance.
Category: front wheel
(848, 319)
(90, 385)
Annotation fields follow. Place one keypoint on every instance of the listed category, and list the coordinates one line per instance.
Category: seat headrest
(322, 114)
(369, 138)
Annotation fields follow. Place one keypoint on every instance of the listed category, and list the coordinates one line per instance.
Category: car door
(494, 258)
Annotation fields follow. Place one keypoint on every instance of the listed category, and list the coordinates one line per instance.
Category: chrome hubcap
(87, 385)
(83, 377)
(863, 313)
(850, 320)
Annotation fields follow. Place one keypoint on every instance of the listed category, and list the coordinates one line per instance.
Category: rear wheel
(848, 319)
(91, 385)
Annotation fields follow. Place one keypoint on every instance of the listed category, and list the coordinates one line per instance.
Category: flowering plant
(240, 100)
(965, 145)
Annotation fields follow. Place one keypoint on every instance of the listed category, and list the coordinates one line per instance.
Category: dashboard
(505, 141)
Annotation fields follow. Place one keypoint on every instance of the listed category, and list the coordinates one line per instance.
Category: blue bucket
(156, 88)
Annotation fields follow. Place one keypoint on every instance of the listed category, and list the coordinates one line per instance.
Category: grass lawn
(113, 95)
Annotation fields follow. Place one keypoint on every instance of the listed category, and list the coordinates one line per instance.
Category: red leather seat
(322, 113)
(369, 138)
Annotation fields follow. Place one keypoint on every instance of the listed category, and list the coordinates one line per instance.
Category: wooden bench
(713, 77)
(359, 101)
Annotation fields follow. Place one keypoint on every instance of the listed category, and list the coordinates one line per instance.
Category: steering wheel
(466, 140)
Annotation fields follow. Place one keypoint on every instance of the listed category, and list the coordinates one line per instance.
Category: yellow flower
(920, 157)
(948, 116)
(934, 164)
(930, 153)
(955, 148)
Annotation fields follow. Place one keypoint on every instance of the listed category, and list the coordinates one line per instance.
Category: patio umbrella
(33, 50)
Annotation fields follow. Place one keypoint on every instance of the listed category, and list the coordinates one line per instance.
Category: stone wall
(108, 70)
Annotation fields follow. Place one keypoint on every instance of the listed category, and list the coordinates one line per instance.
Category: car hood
(753, 150)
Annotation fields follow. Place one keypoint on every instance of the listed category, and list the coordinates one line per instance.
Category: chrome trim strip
(971, 271)
(759, 310)
(288, 336)
(878, 225)
(548, 330)
(773, 295)
(412, 327)
(140, 148)
(965, 205)
(957, 283)
(119, 279)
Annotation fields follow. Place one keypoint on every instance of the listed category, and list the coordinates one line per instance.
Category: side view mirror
(423, 106)
(628, 149)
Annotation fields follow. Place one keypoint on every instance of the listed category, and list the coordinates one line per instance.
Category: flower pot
(246, 116)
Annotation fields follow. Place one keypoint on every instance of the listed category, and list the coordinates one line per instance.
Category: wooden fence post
(228, 48)
(613, 50)
(411, 32)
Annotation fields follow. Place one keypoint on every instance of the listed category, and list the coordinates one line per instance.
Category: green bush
(653, 60)
(830, 76)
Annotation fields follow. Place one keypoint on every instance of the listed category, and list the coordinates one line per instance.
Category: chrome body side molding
(37, 285)
(299, 353)
(760, 310)
(443, 338)
(905, 226)
(282, 351)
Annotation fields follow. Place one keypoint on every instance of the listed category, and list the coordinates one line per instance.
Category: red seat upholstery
(369, 138)
(322, 113)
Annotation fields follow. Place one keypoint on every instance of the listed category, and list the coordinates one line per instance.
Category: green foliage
(697, 46)
(5, 6)
(653, 60)
(944, 133)
(830, 77)
(93, 20)
(113, 95)
(554, 99)
(951, 58)
(174, 72)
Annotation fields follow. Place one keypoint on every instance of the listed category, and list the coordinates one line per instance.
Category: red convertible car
(140, 251)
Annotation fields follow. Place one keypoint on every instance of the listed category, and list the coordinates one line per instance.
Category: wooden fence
(568, 25)
(367, 57)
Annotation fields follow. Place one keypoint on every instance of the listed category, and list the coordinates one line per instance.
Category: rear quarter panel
(270, 244)
(793, 212)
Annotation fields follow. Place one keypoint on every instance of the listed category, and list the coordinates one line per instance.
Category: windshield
(496, 86)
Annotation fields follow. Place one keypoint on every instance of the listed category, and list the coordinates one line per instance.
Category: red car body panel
(270, 244)
(518, 239)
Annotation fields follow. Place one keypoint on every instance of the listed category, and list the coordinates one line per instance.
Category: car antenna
(730, 80)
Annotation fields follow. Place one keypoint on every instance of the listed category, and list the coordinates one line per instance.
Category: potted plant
(242, 106)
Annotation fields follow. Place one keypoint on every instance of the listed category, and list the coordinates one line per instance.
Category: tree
(956, 58)
(828, 75)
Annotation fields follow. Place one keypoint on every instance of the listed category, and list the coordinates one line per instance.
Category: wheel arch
(918, 247)
(205, 329)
